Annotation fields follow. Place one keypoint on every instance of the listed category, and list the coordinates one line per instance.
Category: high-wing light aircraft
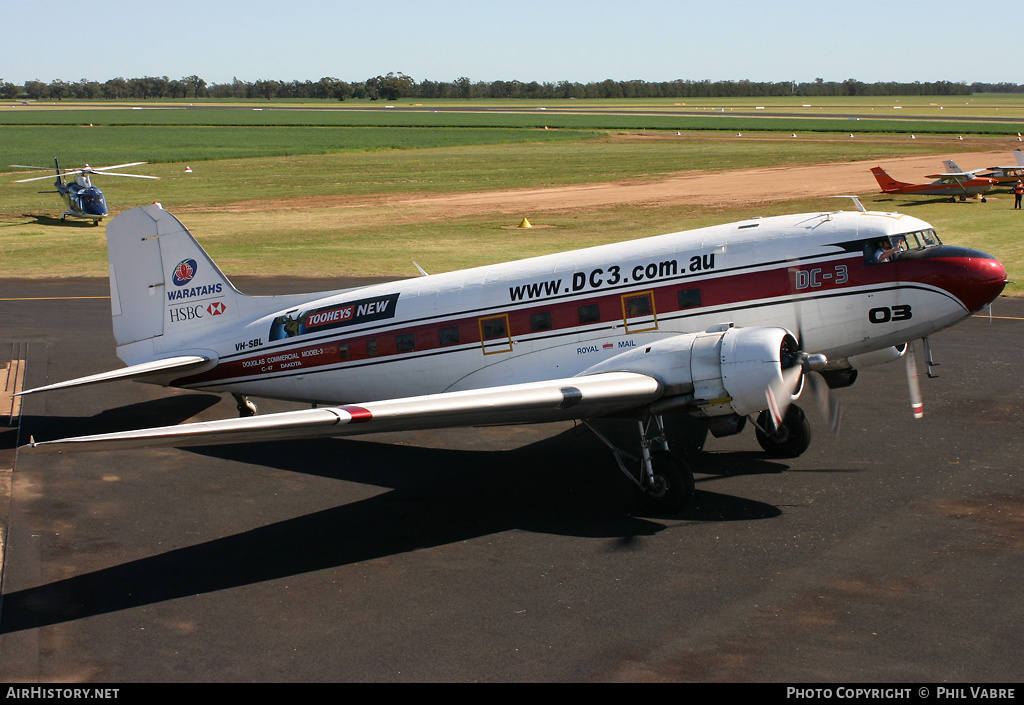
(723, 324)
(1007, 174)
(954, 183)
(81, 198)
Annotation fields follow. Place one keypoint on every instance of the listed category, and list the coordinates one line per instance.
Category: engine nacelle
(719, 372)
(878, 357)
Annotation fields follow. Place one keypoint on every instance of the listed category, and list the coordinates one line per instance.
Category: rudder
(884, 180)
(163, 285)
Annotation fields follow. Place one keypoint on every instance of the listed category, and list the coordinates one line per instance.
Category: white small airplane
(722, 324)
(1007, 174)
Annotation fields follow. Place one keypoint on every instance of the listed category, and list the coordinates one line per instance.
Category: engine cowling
(719, 372)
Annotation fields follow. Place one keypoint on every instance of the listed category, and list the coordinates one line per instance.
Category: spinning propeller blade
(828, 404)
(800, 367)
(913, 382)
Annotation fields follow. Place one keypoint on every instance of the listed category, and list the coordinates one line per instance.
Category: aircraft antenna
(856, 202)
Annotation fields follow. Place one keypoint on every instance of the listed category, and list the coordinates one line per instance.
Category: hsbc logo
(185, 313)
(193, 312)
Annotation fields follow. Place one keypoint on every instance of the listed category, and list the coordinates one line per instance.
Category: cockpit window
(922, 238)
(888, 249)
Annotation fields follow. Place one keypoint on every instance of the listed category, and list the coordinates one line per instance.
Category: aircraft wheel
(984, 200)
(792, 438)
(671, 488)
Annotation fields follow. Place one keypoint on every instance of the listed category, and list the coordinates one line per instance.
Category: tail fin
(164, 289)
(951, 167)
(1019, 156)
(885, 181)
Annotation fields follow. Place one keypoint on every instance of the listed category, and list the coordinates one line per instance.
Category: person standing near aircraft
(1018, 191)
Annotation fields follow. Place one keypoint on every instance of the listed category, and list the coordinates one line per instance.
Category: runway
(894, 553)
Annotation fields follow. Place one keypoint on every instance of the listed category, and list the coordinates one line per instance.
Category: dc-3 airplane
(81, 198)
(722, 324)
(955, 183)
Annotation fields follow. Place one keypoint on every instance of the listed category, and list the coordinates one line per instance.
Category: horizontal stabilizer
(551, 400)
(177, 365)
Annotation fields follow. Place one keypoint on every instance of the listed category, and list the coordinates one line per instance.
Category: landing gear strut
(245, 407)
(664, 480)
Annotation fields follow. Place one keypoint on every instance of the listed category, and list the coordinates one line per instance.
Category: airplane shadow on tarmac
(565, 484)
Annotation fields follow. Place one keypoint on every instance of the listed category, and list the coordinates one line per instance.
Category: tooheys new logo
(183, 273)
(346, 314)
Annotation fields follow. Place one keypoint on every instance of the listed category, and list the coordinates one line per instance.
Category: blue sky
(528, 40)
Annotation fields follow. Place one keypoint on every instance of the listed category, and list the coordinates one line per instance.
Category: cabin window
(637, 305)
(540, 321)
(405, 342)
(590, 313)
(638, 312)
(688, 298)
(494, 334)
(343, 351)
(371, 348)
(494, 328)
(449, 336)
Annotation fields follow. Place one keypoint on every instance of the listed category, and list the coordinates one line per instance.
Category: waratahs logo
(183, 272)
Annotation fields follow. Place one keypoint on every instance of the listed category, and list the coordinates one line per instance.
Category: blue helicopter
(81, 198)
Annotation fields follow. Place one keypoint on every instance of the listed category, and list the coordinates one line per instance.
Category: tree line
(393, 86)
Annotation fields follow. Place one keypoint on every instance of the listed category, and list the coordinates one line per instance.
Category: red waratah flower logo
(183, 272)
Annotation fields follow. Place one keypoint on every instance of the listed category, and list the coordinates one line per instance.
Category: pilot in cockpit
(884, 251)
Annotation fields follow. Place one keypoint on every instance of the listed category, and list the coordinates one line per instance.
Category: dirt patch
(710, 188)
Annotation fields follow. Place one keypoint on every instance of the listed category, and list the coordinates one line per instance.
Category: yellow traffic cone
(525, 224)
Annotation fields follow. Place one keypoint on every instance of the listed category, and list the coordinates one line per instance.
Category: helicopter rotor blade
(116, 166)
(40, 178)
(134, 176)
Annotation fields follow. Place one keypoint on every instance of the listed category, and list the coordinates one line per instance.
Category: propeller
(798, 368)
(913, 381)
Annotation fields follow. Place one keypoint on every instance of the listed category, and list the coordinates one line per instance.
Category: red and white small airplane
(722, 324)
(955, 183)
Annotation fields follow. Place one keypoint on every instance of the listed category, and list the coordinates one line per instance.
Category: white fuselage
(555, 316)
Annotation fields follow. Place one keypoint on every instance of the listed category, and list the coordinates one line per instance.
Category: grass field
(281, 160)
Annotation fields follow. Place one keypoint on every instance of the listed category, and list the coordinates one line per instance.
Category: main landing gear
(664, 480)
(790, 439)
(245, 406)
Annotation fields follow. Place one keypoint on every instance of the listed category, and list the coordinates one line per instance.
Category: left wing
(957, 176)
(551, 400)
(146, 370)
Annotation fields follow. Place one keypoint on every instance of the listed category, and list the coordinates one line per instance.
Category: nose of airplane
(981, 279)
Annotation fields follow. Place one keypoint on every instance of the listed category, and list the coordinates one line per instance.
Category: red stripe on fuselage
(716, 290)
